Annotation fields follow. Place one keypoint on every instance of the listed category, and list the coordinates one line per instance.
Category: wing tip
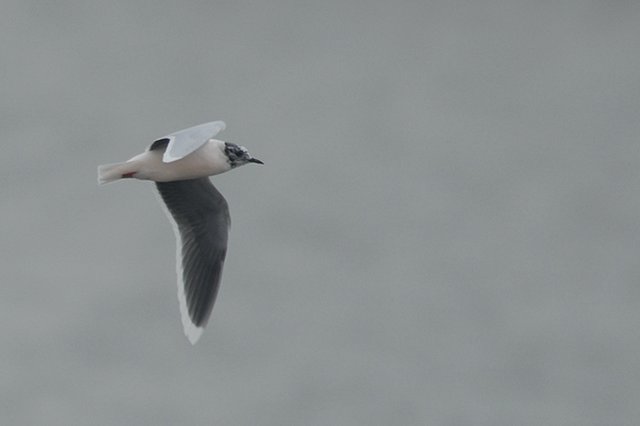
(192, 332)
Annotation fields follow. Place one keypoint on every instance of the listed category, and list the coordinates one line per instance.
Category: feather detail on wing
(184, 142)
(200, 216)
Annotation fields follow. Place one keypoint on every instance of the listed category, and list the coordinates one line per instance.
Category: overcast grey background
(445, 231)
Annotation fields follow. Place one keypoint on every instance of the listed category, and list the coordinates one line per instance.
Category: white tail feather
(110, 172)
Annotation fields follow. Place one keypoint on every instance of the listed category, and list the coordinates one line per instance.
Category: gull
(180, 165)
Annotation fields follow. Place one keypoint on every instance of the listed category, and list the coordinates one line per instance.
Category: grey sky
(445, 231)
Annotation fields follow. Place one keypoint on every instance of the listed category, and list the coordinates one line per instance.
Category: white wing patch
(184, 142)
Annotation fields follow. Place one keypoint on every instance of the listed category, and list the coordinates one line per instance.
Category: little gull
(180, 165)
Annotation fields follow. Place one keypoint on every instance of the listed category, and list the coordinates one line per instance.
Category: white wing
(184, 142)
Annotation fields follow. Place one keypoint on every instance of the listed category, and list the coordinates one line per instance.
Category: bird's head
(238, 155)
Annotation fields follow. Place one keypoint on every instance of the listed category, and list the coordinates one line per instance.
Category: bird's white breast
(208, 160)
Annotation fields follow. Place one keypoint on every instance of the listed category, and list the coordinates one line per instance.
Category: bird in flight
(180, 165)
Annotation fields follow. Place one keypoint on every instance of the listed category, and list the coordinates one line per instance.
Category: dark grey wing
(159, 144)
(201, 218)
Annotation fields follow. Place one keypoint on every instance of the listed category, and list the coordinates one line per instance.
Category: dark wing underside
(201, 215)
(159, 144)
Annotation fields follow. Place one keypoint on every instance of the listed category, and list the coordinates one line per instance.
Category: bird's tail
(110, 172)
